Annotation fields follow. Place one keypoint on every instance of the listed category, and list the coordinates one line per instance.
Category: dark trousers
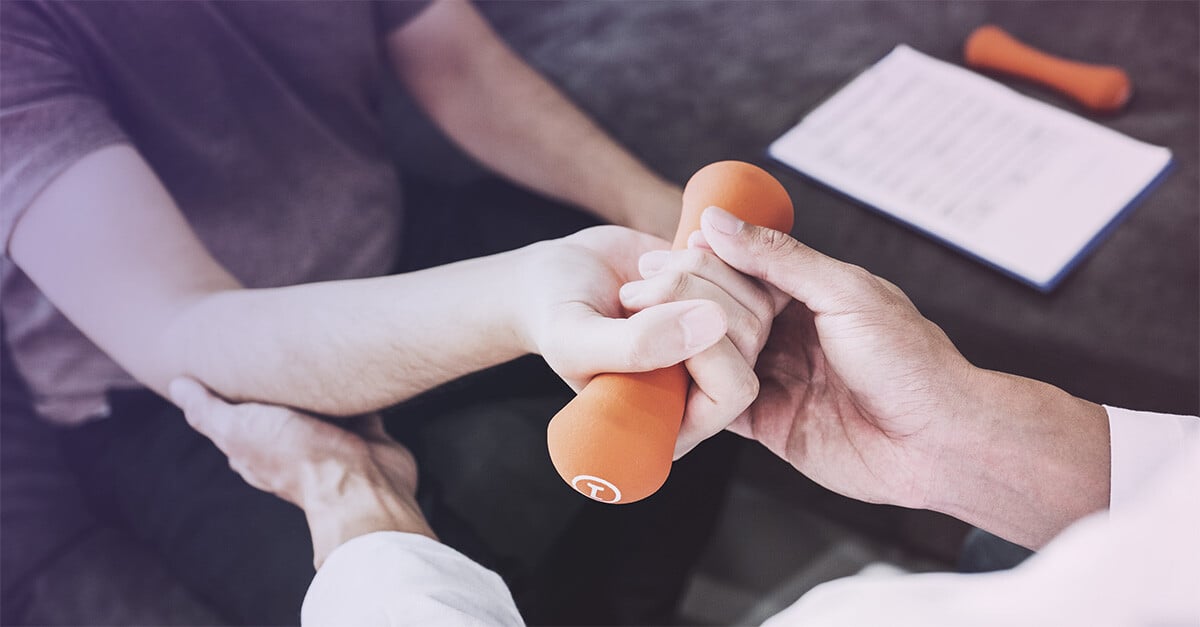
(245, 554)
(194, 542)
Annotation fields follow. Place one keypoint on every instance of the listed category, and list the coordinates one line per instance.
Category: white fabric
(1141, 443)
(394, 578)
(1138, 566)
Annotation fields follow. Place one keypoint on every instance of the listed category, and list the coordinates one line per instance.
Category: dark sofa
(686, 83)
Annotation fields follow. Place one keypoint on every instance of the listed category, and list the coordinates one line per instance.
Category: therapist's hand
(350, 481)
(856, 384)
(867, 397)
(750, 307)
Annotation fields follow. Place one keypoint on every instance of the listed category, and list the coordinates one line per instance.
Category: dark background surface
(683, 84)
(686, 83)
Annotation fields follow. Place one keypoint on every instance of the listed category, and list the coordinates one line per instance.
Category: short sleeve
(393, 14)
(49, 116)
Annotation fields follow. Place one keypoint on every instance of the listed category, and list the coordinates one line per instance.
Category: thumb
(820, 282)
(653, 338)
(190, 396)
(204, 411)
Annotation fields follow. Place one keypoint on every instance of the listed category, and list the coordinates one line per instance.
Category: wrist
(492, 309)
(523, 313)
(1020, 458)
(349, 505)
(342, 503)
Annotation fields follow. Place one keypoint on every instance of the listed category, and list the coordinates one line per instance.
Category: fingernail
(653, 261)
(629, 290)
(722, 221)
(702, 326)
(696, 240)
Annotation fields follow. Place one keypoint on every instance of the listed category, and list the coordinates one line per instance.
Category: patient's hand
(724, 375)
(349, 481)
(687, 306)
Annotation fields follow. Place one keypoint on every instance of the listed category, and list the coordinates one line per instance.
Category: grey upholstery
(686, 83)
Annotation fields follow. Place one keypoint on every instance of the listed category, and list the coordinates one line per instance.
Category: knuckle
(749, 324)
(762, 304)
(776, 256)
(637, 354)
(762, 328)
(747, 390)
(677, 285)
(775, 243)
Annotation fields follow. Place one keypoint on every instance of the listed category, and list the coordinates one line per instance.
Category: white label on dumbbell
(596, 488)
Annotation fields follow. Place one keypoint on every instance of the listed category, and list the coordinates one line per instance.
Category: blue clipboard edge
(1046, 287)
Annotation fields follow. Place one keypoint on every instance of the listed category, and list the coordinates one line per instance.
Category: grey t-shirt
(259, 117)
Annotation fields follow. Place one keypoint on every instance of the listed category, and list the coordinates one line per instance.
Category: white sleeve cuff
(1141, 442)
(394, 578)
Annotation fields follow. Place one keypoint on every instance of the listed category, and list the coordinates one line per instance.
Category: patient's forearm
(347, 347)
(107, 245)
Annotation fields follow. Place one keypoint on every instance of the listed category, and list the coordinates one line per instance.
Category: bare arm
(107, 245)
(509, 117)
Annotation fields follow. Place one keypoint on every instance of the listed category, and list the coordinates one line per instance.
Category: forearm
(1025, 461)
(347, 347)
(514, 121)
(107, 245)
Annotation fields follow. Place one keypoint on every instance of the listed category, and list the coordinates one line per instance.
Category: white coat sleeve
(393, 578)
(1138, 564)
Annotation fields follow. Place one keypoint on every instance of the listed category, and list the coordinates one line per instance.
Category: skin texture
(349, 347)
(868, 398)
(858, 391)
(350, 480)
(697, 273)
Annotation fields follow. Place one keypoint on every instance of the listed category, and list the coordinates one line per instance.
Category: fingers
(243, 431)
(656, 337)
(778, 297)
(699, 275)
(189, 395)
(825, 284)
(205, 412)
(725, 385)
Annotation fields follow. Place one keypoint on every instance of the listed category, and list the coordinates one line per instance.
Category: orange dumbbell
(614, 442)
(1101, 88)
